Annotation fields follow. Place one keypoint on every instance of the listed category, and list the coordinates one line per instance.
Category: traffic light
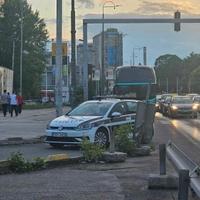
(177, 26)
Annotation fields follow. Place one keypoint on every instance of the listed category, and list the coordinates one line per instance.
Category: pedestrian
(4, 101)
(20, 102)
(13, 104)
(8, 97)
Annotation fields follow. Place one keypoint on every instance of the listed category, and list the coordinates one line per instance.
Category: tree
(168, 70)
(195, 80)
(190, 64)
(12, 13)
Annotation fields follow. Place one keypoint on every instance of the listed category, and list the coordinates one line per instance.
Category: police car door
(118, 115)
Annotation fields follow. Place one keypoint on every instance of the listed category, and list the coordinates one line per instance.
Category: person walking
(20, 102)
(13, 104)
(8, 97)
(4, 100)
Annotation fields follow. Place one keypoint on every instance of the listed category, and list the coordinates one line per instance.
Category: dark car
(196, 100)
(164, 101)
(180, 106)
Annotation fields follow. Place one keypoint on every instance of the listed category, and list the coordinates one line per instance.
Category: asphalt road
(184, 132)
(31, 151)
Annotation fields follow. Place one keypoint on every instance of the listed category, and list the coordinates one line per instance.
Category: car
(196, 100)
(192, 95)
(165, 105)
(182, 106)
(162, 102)
(91, 120)
(157, 105)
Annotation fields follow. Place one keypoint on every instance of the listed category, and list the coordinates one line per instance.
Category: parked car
(90, 120)
(182, 106)
(196, 100)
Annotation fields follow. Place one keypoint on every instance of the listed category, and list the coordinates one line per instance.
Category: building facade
(80, 61)
(113, 54)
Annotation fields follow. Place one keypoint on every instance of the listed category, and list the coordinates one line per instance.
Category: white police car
(91, 120)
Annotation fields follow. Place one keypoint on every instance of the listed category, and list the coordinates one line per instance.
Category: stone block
(114, 157)
(157, 181)
(141, 151)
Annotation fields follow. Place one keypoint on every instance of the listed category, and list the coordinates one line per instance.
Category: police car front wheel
(101, 137)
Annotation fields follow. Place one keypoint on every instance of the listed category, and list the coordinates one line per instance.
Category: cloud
(167, 7)
(87, 3)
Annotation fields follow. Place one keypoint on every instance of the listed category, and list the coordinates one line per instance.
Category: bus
(137, 82)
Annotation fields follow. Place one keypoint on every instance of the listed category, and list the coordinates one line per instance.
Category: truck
(6, 79)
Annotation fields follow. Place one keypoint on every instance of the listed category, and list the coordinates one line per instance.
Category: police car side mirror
(115, 114)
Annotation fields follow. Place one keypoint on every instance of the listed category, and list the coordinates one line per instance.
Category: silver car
(182, 106)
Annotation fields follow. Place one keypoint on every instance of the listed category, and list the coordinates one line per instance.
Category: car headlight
(85, 126)
(174, 107)
(195, 107)
(157, 105)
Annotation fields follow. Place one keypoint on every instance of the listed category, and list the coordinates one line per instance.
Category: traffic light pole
(176, 21)
(58, 88)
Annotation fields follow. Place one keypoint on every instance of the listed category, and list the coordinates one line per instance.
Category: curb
(52, 161)
(20, 140)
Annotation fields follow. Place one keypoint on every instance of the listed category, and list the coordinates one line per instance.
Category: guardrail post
(183, 184)
(162, 153)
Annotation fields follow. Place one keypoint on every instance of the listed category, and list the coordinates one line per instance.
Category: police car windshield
(91, 109)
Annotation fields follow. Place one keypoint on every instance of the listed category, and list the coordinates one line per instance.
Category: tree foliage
(13, 13)
(186, 72)
(168, 68)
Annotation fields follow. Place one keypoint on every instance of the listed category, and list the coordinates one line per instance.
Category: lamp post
(102, 74)
(13, 55)
(21, 50)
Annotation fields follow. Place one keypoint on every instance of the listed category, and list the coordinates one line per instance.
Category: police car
(92, 120)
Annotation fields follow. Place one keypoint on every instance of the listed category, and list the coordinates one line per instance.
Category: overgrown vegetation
(122, 141)
(91, 152)
(18, 164)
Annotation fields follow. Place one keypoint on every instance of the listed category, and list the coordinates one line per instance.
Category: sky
(159, 39)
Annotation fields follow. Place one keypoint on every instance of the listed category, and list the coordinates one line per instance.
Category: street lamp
(21, 49)
(102, 43)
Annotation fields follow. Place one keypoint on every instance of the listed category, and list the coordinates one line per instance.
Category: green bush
(91, 152)
(122, 142)
(18, 164)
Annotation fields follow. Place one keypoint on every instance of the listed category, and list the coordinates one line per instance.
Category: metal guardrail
(182, 162)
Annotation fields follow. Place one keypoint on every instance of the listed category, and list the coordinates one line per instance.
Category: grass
(37, 106)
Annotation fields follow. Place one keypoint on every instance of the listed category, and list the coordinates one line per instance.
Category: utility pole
(73, 50)
(133, 57)
(58, 89)
(144, 55)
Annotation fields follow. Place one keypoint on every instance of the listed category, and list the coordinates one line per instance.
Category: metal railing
(182, 162)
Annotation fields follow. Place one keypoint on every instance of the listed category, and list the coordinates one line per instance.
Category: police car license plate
(59, 134)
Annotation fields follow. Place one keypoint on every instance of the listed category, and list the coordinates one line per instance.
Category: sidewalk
(29, 124)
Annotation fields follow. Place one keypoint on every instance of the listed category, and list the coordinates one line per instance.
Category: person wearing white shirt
(13, 104)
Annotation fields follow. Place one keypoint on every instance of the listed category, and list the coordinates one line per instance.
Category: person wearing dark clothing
(8, 97)
(4, 101)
